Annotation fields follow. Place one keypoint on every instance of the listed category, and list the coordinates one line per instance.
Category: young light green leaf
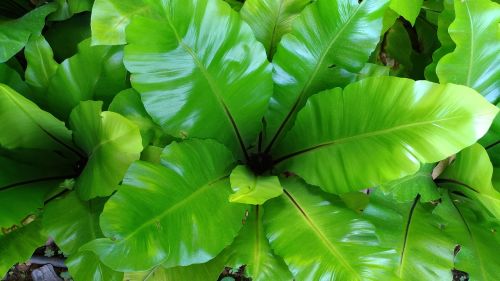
(19, 245)
(409, 9)
(471, 174)
(159, 215)
(271, 19)
(475, 61)
(14, 34)
(253, 189)
(346, 245)
(415, 232)
(111, 17)
(339, 33)
(208, 94)
(387, 134)
(111, 143)
(94, 73)
(251, 249)
(41, 65)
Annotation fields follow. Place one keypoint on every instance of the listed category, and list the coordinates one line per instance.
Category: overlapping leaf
(200, 72)
(41, 65)
(475, 61)
(165, 214)
(385, 125)
(253, 189)
(339, 33)
(326, 241)
(408, 9)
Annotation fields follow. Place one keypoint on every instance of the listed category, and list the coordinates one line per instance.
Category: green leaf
(407, 188)
(271, 19)
(253, 189)
(75, 30)
(323, 230)
(94, 73)
(111, 143)
(11, 78)
(251, 248)
(475, 61)
(14, 34)
(163, 214)
(67, 8)
(128, 103)
(111, 17)
(41, 65)
(445, 18)
(471, 174)
(415, 232)
(19, 245)
(72, 222)
(30, 127)
(208, 94)
(475, 236)
(409, 9)
(327, 33)
(384, 126)
(86, 266)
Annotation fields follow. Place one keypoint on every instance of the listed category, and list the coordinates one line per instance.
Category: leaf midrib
(366, 135)
(332, 249)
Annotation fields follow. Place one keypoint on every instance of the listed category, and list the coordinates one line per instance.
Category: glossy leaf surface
(87, 266)
(14, 34)
(207, 95)
(111, 143)
(339, 33)
(346, 245)
(388, 134)
(471, 174)
(424, 251)
(271, 19)
(251, 248)
(111, 17)
(95, 73)
(159, 215)
(409, 9)
(41, 65)
(253, 189)
(475, 61)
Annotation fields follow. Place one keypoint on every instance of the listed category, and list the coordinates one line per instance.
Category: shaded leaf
(41, 65)
(327, 33)
(75, 30)
(253, 189)
(475, 61)
(11, 78)
(163, 214)
(67, 8)
(207, 95)
(387, 134)
(346, 245)
(14, 34)
(271, 19)
(111, 143)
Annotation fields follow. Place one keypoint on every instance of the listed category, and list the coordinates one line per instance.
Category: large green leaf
(445, 18)
(409, 9)
(14, 34)
(327, 33)
(111, 142)
(475, 61)
(425, 252)
(67, 8)
(407, 188)
(271, 19)
(253, 189)
(128, 103)
(86, 266)
(11, 78)
(28, 126)
(475, 235)
(251, 248)
(326, 240)
(164, 214)
(94, 73)
(41, 65)
(19, 245)
(208, 94)
(385, 126)
(471, 174)
(111, 17)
